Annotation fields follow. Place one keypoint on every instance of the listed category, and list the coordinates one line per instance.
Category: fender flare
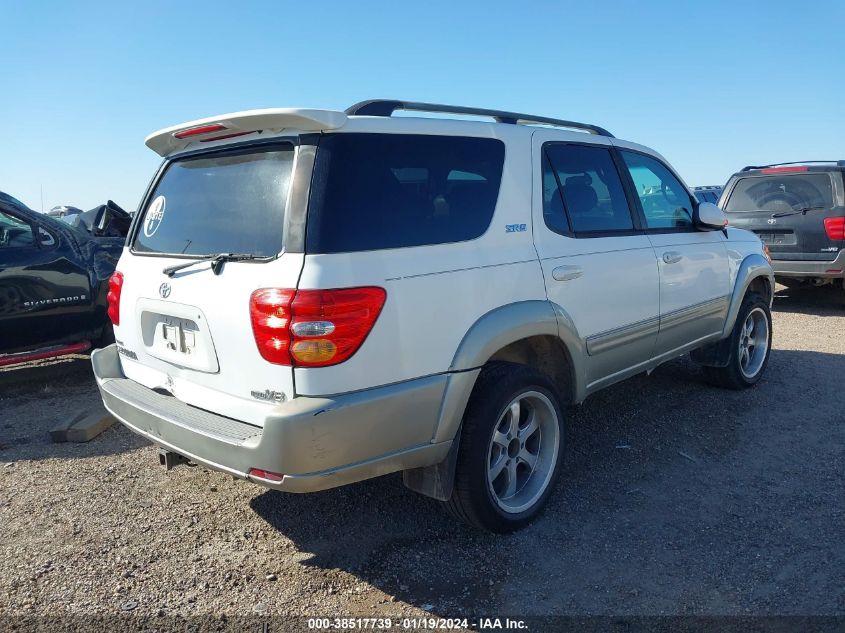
(753, 267)
(490, 333)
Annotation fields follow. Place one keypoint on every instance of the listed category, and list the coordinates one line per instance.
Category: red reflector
(113, 297)
(265, 474)
(835, 228)
(334, 323)
(220, 138)
(200, 129)
(784, 170)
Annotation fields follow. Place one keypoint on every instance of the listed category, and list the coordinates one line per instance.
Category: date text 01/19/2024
(414, 624)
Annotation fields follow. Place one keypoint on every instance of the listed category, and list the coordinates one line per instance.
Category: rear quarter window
(379, 191)
(782, 192)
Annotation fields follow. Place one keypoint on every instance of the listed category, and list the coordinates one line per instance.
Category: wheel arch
(537, 333)
(755, 272)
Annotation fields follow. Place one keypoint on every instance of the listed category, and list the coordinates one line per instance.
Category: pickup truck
(54, 280)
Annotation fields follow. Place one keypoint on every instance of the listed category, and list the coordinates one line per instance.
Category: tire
(496, 451)
(744, 369)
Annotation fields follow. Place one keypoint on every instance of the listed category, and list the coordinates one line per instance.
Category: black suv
(709, 193)
(798, 210)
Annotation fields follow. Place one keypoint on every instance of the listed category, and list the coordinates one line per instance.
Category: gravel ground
(676, 498)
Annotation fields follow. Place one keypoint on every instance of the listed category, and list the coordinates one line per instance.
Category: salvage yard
(675, 498)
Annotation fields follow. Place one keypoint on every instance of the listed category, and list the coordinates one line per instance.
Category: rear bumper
(829, 269)
(316, 443)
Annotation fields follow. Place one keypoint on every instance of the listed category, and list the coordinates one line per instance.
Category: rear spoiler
(178, 137)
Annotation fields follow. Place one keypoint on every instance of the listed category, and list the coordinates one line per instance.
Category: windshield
(781, 193)
(231, 202)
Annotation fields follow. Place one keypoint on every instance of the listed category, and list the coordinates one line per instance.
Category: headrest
(584, 180)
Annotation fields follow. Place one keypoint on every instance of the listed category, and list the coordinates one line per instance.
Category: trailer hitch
(169, 459)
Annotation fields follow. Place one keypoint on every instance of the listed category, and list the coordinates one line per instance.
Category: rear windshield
(231, 202)
(783, 192)
(377, 191)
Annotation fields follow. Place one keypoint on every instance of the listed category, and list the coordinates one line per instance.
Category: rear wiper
(216, 262)
(802, 211)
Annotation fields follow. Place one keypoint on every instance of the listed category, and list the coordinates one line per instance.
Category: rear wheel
(750, 344)
(511, 443)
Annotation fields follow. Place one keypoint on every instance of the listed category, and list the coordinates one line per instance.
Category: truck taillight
(113, 297)
(313, 328)
(835, 228)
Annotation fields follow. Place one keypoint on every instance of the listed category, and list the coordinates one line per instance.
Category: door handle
(567, 273)
(672, 257)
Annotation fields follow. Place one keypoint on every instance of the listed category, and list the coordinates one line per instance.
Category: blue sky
(711, 85)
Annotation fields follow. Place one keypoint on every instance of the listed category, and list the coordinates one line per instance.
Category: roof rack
(838, 163)
(386, 107)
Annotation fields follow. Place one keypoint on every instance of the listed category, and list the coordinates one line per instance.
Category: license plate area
(777, 238)
(177, 334)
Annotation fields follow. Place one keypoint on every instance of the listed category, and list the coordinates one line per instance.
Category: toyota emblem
(771, 221)
(164, 290)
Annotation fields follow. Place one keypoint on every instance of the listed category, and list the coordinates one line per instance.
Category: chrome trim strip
(690, 313)
(649, 364)
(606, 341)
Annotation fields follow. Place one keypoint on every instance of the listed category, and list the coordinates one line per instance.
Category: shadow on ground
(822, 301)
(675, 497)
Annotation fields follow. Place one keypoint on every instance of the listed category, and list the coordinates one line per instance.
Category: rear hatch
(188, 333)
(794, 210)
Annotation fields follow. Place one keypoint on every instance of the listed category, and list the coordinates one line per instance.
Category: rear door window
(782, 192)
(582, 191)
(378, 191)
(229, 202)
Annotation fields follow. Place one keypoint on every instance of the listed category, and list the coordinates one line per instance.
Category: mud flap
(435, 481)
(716, 354)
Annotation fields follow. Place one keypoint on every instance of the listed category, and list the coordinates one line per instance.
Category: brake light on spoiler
(271, 120)
(199, 129)
(784, 170)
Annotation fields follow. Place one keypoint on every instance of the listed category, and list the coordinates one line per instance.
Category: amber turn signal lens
(315, 351)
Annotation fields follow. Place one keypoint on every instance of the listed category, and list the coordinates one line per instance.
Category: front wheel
(511, 443)
(750, 344)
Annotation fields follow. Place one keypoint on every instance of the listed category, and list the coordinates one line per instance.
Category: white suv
(309, 298)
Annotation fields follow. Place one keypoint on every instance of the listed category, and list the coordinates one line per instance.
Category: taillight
(313, 328)
(269, 311)
(220, 138)
(835, 228)
(200, 129)
(113, 297)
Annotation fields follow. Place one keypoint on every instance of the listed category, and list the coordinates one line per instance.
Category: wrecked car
(54, 279)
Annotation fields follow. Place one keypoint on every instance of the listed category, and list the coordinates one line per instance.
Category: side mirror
(709, 217)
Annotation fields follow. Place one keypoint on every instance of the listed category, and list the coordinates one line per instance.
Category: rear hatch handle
(217, 262)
